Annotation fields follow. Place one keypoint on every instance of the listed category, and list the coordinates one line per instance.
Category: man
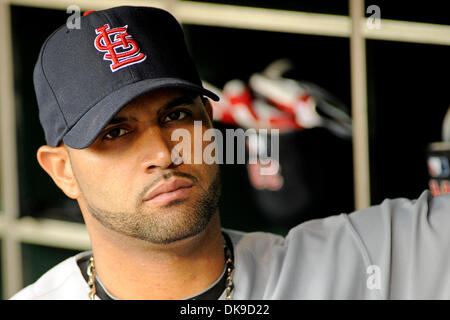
(111, 95)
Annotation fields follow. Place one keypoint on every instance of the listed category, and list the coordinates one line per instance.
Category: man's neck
(134, 269)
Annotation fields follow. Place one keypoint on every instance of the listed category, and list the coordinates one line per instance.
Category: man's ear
(56, 162)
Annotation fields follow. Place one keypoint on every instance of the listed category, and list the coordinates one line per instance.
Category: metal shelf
(86, 4)
(47, 232)
(415, 32)
(228, 16)
(2, 224)
(11, 260)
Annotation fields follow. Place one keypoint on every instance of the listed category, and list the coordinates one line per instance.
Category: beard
(169, 223)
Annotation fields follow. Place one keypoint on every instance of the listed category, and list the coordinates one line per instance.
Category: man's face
(128, 181)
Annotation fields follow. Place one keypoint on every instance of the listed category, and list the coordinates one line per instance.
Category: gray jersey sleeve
(408, 241)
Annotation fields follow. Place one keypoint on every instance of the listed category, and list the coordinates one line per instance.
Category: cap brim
(86, 130)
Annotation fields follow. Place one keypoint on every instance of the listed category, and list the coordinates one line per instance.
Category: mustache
(167, 176)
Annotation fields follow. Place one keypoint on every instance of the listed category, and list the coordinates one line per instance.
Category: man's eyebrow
(117, 120)
(178, 101)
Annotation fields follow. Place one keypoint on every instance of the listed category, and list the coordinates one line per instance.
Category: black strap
(213, 293)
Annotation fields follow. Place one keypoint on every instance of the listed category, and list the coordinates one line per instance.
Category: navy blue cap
(83, 77)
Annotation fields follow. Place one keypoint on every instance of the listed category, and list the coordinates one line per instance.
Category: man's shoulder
(317, 230)
(241, 238)
(367, 232)
(63, 282)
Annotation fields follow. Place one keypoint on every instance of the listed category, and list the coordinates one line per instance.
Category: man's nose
(155, 148)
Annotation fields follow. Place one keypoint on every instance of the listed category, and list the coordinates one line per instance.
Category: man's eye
(115, 133)
(175, 115)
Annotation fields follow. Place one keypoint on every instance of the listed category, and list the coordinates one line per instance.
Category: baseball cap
(83, 77)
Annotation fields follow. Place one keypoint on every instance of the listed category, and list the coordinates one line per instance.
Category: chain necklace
(229, 264)
(91, 274)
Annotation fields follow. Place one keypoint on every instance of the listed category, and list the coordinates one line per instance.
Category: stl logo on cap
(119, 46)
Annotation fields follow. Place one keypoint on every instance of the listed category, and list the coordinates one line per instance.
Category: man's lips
(170, 190)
